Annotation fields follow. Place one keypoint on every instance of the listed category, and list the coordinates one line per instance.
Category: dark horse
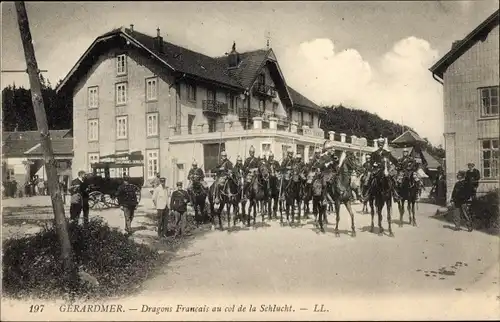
(257, 193)
(380, 193)
(231, 196)
(215, 198)
(307, 193)
(408, 190)
(292, 189)
(317, 195)
(273, 195)
(198, 197)
(340, 189)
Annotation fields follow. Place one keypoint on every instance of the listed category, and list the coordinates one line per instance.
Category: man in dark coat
(127, 199)
(79, 191)
(196, 175)
(224, 168)
(472, 177)
(178, 205)
(377, 159)
(459, 200)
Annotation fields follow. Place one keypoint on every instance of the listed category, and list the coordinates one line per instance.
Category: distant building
(469, 73)
(22, 156)
(134, 92)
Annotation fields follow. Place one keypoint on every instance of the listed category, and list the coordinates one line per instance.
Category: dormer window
(261, 79)
(233, 57)
(121, 65)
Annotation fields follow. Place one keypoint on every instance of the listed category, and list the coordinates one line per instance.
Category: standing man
(160, 201)
(459, 198)
(127, 199)
(472, 177)
(178, 204)
(79, 198)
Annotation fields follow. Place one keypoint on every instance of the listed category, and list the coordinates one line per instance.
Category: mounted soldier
(288, 161)
(272, 164)
(223, 170)
(195, 176)
(377, 162)
(238, 168)
(250, 169)
(324, 165)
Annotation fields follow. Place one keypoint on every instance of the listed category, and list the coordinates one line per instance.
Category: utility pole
(61, 223)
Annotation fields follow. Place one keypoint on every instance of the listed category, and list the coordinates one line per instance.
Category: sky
(368, 55)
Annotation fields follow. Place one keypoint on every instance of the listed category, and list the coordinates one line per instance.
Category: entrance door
(211, 155)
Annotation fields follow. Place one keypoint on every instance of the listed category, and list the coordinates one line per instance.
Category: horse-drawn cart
(107, 176)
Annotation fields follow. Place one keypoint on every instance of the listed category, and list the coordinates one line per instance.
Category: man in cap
(196, 175)
(459, 201)
(160, 201)
(178, 205)
(472, 177)
(406, 165)
(127, 199)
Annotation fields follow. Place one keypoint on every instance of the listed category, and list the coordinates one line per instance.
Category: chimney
(132, 27)
(455, 43)
(159, 41)
(233, 57)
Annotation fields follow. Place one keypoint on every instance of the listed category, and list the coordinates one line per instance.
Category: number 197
(36, 308)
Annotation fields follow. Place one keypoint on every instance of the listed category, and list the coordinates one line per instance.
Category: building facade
(134, 92)
(469, 73)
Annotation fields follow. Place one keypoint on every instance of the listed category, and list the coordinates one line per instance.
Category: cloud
(398, 86)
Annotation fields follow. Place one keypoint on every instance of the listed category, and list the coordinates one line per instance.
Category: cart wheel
(111, 201)
(96, 200)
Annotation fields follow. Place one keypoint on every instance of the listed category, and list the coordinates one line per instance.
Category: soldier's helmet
(223, 154)
(271, 154)
(298, 156)
(317, 150)
(252, 149)
(195, 163)
(238, 158)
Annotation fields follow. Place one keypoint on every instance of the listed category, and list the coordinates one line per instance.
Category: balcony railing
(263, 89)
(243, 113)
(215, 107)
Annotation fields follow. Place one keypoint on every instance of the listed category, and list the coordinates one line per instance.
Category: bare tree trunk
(61, 223)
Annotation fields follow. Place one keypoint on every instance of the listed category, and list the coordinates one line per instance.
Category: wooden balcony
(243, 113)
(264, 90)
(214, 107)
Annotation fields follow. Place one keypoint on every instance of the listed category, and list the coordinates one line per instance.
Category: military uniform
(472, 177)
(178, 206)
(196, 174)
(287, 163)
(273, 166)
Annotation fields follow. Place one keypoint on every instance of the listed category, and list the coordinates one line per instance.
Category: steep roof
(407, 137)
(59, 146)
(185, 61)
(15, 144)
(432, 162)
(461, 47)
(301, 100)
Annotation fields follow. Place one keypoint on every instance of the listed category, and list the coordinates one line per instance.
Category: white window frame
(93, 135)
(489, 99)
(151, 89)
(121, 65)
(262, 150)
(93, 97)
(121, 99)
(92, 157)
(151, 156)
(493, 161)
(119, 134)
(152, 124)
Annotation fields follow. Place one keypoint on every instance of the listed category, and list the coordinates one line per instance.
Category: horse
(317, 195)
(307, 194)
(340, 189)
(381, 194)
(273, 195)
(408, 190)
(198, 198)
(256, 193)
(231, 196)
(292, 186)
(214, 198)
(356, 185)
